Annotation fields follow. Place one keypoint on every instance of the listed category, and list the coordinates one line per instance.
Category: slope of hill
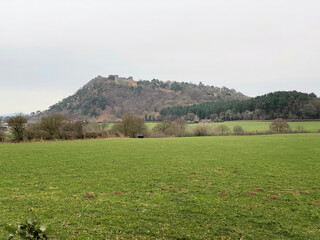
(109, 97)
(288, 105)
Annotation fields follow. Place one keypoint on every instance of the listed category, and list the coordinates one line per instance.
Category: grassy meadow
(253, 126)
(249, 187)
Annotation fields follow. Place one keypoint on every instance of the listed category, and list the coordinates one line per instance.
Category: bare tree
(279, 125)
(130, 126)
(17, 126)
(51, 124)
(2, 136)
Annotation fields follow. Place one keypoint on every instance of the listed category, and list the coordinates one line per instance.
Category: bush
(130, 126)
(154, 134)
(95, 130)
(34, 131)
(164, 127)
(202, 130)
(30, 230)
(72, 130)
(96, 134)
(221, 129)
(300, 129)
(181, 126)
(238, 130)
(279, 125)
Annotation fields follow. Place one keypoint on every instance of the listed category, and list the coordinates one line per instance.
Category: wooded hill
(287, 105)
(110, 97)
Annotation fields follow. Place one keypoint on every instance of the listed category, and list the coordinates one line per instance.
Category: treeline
(54, 127)
(286, 105)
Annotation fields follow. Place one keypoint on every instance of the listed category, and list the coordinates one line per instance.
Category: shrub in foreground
(31, 229)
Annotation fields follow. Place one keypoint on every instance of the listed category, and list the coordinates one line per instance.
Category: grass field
(253, 126)
(249, 187)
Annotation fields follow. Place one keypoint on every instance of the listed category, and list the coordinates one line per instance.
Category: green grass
(174, 188)
(253, 126)
(151, 125)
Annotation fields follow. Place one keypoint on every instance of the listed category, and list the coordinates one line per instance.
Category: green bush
(31, 229)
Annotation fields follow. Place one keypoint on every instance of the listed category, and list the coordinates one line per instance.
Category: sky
(51, 48)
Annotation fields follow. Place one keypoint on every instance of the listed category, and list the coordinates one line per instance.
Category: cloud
(28, 100)
(252, 46)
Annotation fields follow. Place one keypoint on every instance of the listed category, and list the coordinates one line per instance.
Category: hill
(109, 97)
(285, 104)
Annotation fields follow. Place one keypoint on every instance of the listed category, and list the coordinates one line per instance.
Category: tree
(72, 130)
(2, 136)
(163, 126)
(279, 125)
(228, 115)
(238, 130)
(309, 111)
(222, 129)
(202, 129)
(130, 126)
(189, 117)
(51, 125)
(17, 126)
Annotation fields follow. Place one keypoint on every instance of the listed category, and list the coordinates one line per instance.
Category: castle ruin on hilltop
(116, 78)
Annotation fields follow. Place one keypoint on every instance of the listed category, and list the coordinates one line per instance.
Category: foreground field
(249, 187)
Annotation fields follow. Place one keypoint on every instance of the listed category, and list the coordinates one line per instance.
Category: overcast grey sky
(51, 48)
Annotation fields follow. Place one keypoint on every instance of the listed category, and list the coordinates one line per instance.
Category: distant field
(252, 126)
(249, 187)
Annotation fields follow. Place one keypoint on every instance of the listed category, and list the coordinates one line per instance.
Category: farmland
(250, 187)
(253, 126)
